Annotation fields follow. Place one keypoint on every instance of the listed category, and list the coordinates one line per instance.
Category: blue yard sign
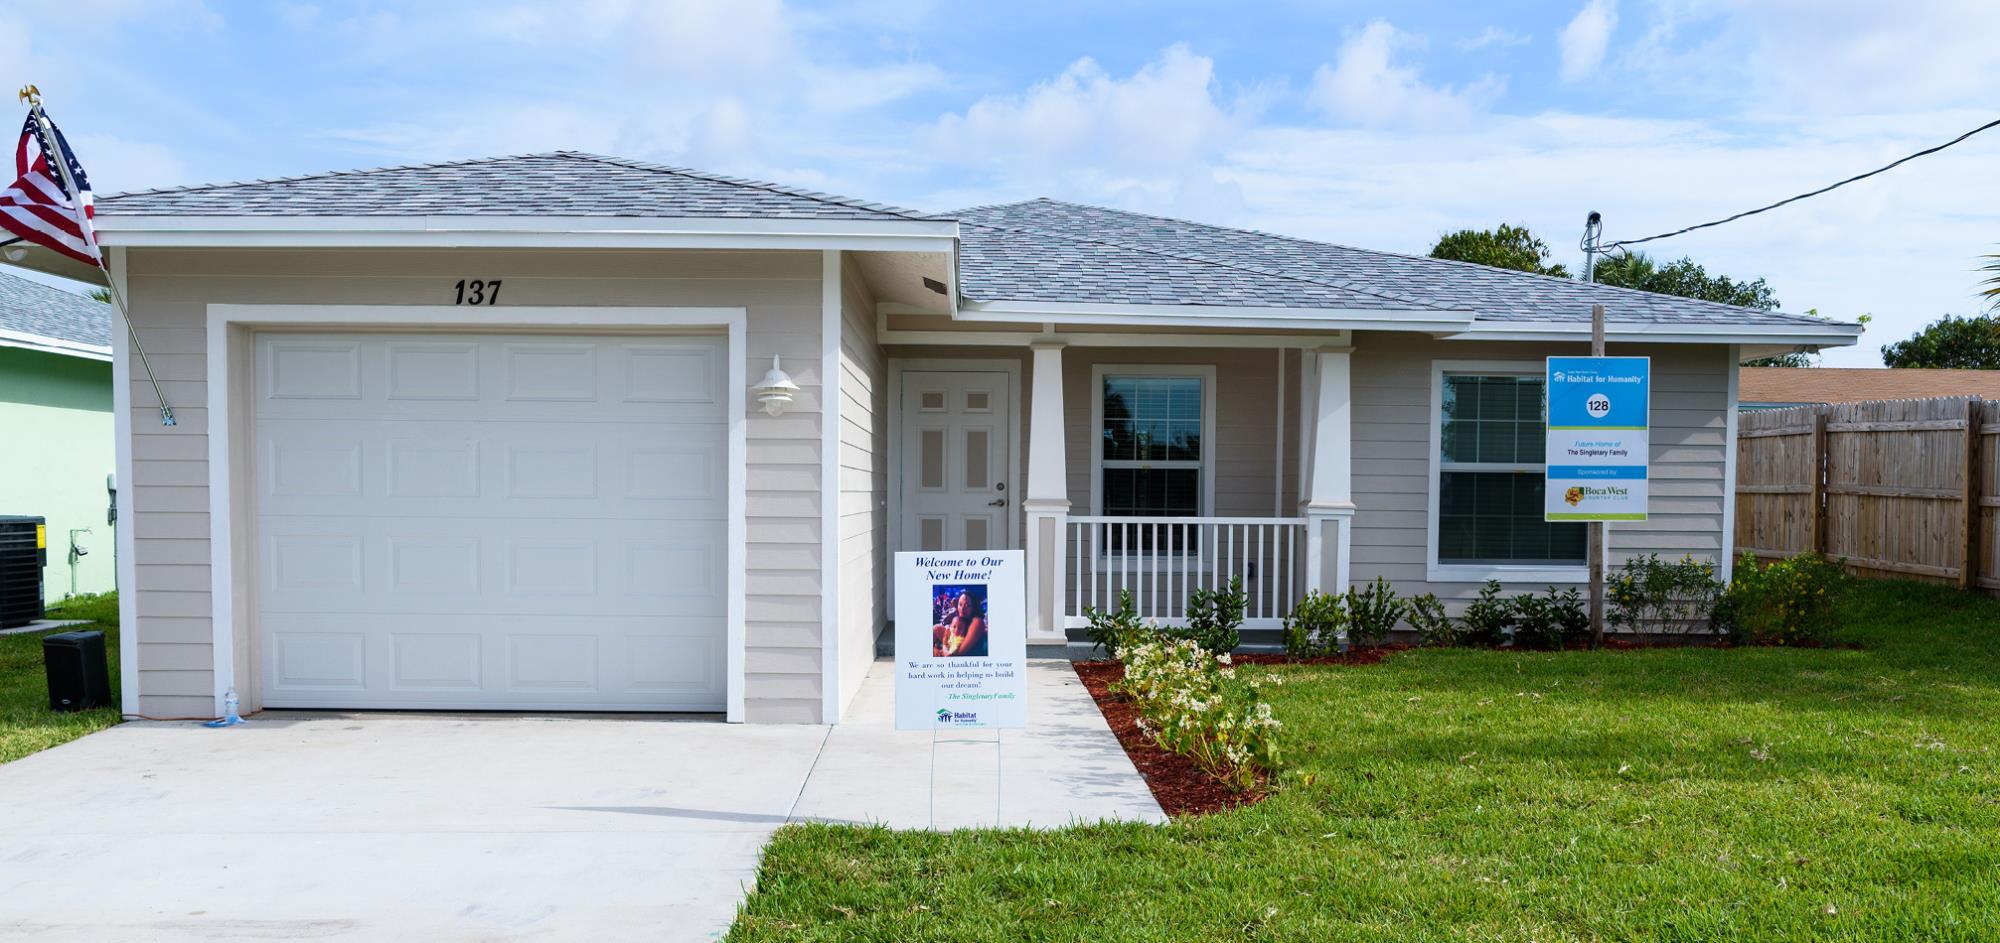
(1598, 438)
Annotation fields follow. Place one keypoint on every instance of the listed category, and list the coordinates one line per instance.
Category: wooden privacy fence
(1900, 487)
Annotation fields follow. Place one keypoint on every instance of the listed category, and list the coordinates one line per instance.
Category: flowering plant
(1193, 703)
(1788, 602)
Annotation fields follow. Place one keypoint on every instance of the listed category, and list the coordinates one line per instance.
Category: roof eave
(1831, 334)
(22, 340)
(592, 232)
(1424, 320)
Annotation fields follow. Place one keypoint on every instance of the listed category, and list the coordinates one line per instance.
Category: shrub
(1488, 619)
(1551, 621)
(1372, 612)
(1789, 602)
(1649, 595)
(1316, 624)
(1114, 630)
(1213, 616)
(1192, 703)
(1426, 615)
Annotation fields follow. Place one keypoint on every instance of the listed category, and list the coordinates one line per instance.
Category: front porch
(1148, 464)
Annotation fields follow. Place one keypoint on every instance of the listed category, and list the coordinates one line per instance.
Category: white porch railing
(1162, 560)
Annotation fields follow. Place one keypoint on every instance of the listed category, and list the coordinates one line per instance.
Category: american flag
(37, 207)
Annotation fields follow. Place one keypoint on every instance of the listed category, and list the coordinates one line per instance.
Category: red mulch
(1181, 788)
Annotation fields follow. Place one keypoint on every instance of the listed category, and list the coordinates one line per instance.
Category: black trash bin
(79, 678)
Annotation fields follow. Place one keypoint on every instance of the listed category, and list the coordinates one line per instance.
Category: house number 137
(475, 292)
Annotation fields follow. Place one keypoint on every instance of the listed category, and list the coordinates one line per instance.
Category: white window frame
(1436, 572)
(1204, 372)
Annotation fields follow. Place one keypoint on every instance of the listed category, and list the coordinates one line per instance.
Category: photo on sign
(958, 621)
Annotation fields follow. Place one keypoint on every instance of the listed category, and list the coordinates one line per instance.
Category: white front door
(956, 495)
(497, 521)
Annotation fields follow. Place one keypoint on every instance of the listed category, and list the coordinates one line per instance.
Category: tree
(101, 294)
(1683, 277)
(1687, 279)
(1966, 343)
(1992, 291)
(1508, 247)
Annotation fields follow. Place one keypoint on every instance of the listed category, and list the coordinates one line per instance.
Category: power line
(1730, 219)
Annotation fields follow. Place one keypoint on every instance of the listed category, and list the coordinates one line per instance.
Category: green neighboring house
(57, 442)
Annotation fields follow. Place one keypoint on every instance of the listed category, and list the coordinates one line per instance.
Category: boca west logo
(1577, 494)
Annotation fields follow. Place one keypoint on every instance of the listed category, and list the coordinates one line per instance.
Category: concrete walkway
(1065, 767)
(492, 827)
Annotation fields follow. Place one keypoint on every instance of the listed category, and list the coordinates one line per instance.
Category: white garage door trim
(230, 378)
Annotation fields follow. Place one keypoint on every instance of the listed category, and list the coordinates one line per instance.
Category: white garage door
(509, 521)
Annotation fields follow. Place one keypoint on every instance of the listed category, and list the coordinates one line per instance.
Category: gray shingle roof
(38, 309)
(1046, 250)
(562, 183)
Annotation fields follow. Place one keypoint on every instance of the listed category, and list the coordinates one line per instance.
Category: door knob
(997, 503)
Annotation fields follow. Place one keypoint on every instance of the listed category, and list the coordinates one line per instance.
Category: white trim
(1278, 454)
(1831, 334)
(1727, 565)
(1204, 371)
(1365, 319)
(897, 366)
(129, 629)
(888, 338)
(221, 317)
(897, 235)
(830, 326)
(41, 343)
(1434, 571)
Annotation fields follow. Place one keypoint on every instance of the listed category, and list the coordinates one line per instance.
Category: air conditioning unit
(24, 552)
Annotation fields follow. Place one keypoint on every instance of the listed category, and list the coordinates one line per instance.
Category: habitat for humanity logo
(948, 716)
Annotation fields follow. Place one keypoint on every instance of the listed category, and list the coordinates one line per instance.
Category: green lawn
(26, 723)
(1667, 795)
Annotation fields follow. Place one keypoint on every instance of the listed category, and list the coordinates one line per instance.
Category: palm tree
(1993, 284)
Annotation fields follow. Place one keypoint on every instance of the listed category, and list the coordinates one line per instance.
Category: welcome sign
(1599, 438)
(961, 640)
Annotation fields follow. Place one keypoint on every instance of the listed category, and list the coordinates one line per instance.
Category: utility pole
(1593, 230)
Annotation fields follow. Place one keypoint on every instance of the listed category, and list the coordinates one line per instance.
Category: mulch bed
(1180, 787)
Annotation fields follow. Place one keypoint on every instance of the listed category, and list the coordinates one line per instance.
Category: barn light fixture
(776, 389)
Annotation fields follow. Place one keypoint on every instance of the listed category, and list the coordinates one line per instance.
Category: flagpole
(33, 96)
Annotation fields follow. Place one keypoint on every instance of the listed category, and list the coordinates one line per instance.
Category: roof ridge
(1505, 272)
(779, 188)
(324, 174)
(1342, 284)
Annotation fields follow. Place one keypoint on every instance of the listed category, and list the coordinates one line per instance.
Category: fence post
(1816, 505)
(1968, 566)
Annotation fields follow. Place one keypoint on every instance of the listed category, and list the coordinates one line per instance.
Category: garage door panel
(446, 565)
(508, 662)
(525, 378)
(492, 521)
(537, 469)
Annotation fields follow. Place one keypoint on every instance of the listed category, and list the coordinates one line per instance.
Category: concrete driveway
(437, 828)
(394, 827)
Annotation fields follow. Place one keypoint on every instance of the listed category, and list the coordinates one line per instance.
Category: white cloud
(1491, 36)
(1365, 84)
(1585, 39)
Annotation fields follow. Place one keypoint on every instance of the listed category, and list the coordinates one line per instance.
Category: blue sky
(1373, 124)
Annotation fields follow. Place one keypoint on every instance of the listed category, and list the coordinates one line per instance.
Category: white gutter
(1236, 316)
(1831, 334)
(598, 232)
(54, 345)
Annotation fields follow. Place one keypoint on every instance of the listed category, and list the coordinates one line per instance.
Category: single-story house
(522, 433)
(56, 428)
(1779, 387)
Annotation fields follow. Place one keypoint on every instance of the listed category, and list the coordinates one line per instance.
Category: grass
(26, 723)
(1669, 795)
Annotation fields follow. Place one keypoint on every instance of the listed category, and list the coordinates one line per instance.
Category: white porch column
(1046, 497)
(1327, 495)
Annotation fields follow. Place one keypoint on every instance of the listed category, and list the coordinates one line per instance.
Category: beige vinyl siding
(170, 290)
(1391, 386)
(864, 483)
